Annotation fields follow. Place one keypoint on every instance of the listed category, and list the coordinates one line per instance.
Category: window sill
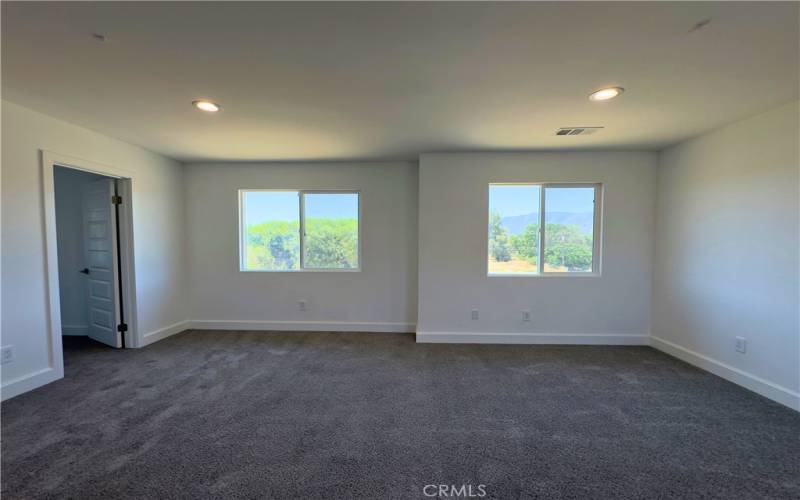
(294, 271)
(544, 275)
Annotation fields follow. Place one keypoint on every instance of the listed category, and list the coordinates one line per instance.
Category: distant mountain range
(516, 224)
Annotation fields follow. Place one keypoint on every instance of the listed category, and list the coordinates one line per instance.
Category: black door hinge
(116, 200)
(122, 327)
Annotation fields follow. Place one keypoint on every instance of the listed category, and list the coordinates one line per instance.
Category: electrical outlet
(301, 305)
(474, 314)
(6, 354)
(526, 315)
(741, 345)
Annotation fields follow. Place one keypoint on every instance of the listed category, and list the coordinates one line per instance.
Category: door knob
(85, 270)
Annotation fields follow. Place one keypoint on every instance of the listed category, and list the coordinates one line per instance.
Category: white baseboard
(768, 389)
(17, 386)
(309, 326)
(531, 338)
(75, 330)
(165, 332)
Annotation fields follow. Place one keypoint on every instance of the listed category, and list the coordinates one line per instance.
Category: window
(537, 229)
(299, 230)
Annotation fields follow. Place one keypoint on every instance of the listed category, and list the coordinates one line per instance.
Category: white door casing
(54, 369)
(101, 261)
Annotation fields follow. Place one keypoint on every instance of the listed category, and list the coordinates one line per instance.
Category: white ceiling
(391, 80)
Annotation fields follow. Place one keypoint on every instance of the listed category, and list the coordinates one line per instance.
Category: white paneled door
(100, 254)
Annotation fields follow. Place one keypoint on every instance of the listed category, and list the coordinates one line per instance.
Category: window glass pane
(271, 230)
(331, 226)
(513, 229)
(568, 229)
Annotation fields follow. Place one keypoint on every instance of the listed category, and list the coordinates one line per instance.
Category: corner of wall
(727, 152)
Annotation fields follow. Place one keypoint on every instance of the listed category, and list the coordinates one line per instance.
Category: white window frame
(597, 231)
(301, 193)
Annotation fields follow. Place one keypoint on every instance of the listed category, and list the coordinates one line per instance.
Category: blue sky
(521, 200)
(264, 206)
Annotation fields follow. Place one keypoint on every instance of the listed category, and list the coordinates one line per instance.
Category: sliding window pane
(271, 230)
(568, 229)
(331, 227)
(513, 229)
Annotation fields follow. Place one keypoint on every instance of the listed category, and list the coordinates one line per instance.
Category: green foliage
(566, 246)
(273, 245)
(498, 239)
(333, 244)
(329, 243)
(526, 245)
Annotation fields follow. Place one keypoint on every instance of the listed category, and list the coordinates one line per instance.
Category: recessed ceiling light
(204, 105)
(606, 93)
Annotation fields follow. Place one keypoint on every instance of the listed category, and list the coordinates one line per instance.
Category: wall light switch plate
(526, 315)
(301, 305)
(474, 314)
(741, 345)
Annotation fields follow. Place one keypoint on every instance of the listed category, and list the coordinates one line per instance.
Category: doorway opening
(100, 309)
(106, 251)
(91, 297)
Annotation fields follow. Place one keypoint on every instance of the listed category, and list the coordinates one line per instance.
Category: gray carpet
(329, 415)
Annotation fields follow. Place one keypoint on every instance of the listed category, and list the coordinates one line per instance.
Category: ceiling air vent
(577, 130)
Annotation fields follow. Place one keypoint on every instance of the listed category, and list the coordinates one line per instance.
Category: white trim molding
(50, 160)
(771, 390)
(167, 331)
(29, 382)
(531, 338)
(308, 326)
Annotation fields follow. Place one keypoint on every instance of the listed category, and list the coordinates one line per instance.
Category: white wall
(158, 234)
(727, 252)
(452, 269)
(380, 297)
(69, 229)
